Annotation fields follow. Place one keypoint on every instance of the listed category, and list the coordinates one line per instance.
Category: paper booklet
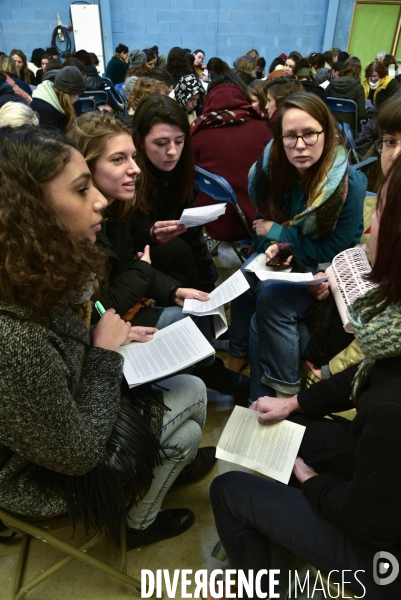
(265, 273)
(192, 217)
(269, 449)
(346, 280)
(172, 349)
(231, 288)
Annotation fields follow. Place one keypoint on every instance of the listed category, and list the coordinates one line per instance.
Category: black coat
(131, 279)
(7, 94)
(48, 115)
(368, 505)
(312, 87)
(162, 209)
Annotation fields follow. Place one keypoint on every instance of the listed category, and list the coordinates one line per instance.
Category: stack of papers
(193, 217)
(172, 349)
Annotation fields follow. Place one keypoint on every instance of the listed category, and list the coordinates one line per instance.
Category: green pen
(100, 308)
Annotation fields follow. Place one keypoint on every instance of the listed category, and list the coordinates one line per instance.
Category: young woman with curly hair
(67, 416)
(143, 87)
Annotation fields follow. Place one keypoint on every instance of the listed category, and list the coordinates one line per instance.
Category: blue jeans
(181, 436)
(278, 339)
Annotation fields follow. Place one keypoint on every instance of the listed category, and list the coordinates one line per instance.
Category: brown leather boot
(236, 364)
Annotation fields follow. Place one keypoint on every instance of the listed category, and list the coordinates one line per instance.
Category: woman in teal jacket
(309, 200)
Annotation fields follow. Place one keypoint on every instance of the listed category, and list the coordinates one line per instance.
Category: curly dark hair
(41, 261)
(178, 62)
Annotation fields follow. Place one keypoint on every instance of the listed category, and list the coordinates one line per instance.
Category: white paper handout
(295, 278)
(172, 349)
(192, 217)
(231, 288)
(269, 449)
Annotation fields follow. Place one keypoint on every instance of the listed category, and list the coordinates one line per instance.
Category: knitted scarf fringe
(132, 452)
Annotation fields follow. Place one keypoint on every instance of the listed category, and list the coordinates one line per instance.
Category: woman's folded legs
(185, 396)
(278, 340)
(251, 511)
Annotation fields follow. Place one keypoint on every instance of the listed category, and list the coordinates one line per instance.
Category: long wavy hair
(90, 133)
(352, 67)
(143, 87)
(178, 62)
(24, 72)
(66, 105)
(41, 261)
(151, 111)
(283, 174)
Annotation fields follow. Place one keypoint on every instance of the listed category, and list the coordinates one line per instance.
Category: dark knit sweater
(59, 399)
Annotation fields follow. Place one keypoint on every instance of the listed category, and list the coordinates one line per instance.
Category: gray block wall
(224, 28)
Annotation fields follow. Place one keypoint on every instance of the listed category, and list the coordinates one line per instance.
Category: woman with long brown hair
(107, 146)
(54, 102)
(164, 153)
(307, 201)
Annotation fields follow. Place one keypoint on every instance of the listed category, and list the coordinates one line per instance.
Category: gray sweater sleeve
(59, 397)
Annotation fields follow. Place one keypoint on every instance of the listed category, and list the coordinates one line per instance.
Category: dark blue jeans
(278, 339)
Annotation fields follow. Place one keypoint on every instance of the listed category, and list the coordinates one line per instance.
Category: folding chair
(115, 99)
(87, 104)
(119, 90)
(40, 532)
(365, 163)
(220, 190)
(341, 106)
(98, 96)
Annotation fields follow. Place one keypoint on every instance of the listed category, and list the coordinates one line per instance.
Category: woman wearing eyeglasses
(307, 201)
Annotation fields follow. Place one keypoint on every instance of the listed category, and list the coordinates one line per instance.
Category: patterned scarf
(321, 216)
(377, 330)
(223, 118)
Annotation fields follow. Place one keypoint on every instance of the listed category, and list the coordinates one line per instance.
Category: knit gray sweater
(59, 400)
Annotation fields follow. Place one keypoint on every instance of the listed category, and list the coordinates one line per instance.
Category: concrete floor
(79, 581)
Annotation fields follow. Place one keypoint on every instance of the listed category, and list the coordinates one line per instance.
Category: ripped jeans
(180, 439)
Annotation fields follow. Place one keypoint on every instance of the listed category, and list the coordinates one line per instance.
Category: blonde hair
(66, 105)
(16, 114)
(246, 64)
(143, 87)
(90, 133)
(9, 66)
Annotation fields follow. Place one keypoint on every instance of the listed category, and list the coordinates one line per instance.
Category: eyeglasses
(386, 145)
(310, 138)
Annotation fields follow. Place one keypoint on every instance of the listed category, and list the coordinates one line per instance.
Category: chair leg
(123, 545)
(21, 563)
(242, 259)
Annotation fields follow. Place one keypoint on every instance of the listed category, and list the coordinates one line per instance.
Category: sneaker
(218, 377)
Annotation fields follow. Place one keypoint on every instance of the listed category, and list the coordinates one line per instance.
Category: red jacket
(230, 151)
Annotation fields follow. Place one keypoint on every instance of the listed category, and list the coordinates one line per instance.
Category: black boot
(168, 524)
(218, 377)
(203, 462)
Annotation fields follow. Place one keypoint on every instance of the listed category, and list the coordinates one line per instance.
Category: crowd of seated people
(107, 187)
